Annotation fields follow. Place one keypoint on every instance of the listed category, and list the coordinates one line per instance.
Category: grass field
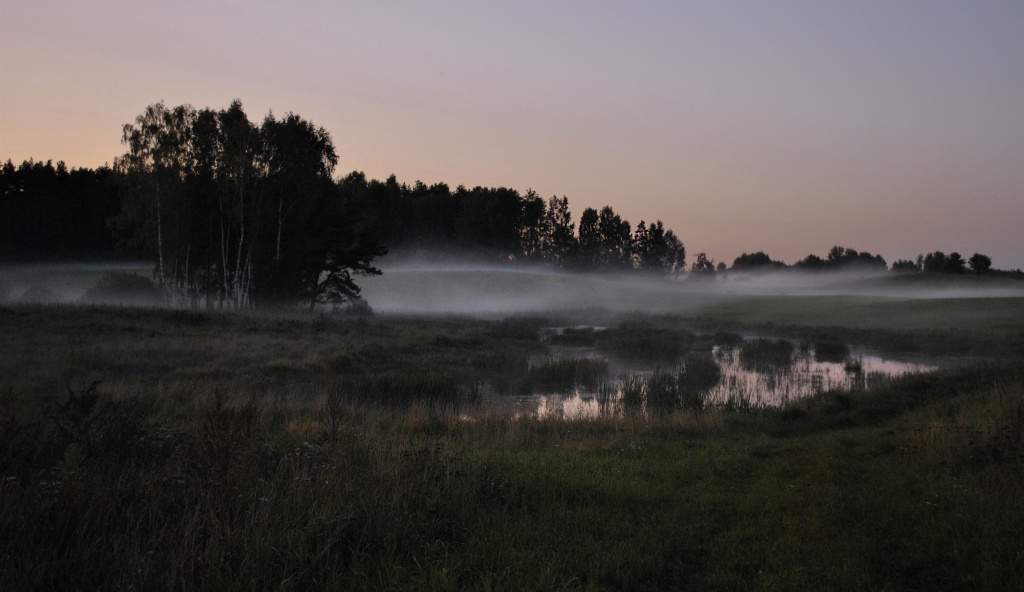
(159, 449)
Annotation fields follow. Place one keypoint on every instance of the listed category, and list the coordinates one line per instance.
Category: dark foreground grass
(916, 484)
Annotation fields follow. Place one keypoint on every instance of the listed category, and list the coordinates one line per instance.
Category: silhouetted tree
(235, 213)
(560, 244)
(533, 229)
(935, 262)
(615, 240)
(904, 266)
(588, 254)
(955, 263)
(759, 259)
(980, 263)
(811, 261)
(841, 257)
(703, 265)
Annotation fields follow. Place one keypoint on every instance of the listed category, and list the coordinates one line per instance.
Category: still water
(739, 385)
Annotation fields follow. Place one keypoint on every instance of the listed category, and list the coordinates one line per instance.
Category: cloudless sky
(890, 126)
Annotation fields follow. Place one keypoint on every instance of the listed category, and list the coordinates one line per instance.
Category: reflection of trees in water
(722, 379)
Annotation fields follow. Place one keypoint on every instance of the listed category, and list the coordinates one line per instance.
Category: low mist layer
(452, 288)
(449, 287)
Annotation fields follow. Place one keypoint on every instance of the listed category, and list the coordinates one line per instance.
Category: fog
(60, 282)
(435, 285)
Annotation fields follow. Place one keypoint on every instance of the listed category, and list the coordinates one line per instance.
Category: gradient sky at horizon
(890, 126)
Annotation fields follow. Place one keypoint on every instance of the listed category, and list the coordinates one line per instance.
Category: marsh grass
(766, 354)
(644, 343)
(162, 477)
(664, 393)
(573, 337)
(567, 373)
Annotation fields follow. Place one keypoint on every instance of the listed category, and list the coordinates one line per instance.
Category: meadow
(180, 450)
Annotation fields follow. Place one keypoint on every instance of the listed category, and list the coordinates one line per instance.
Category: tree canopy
(236, 213)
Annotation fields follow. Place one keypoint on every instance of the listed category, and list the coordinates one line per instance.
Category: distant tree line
(843, 257)
(939, 262)
(837, 258)
(51, 210)
(846, 258)
(235, 213)
(501, 225)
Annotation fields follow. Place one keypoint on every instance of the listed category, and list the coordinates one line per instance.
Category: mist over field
(63, 281)
(435, 285)
(451, 287)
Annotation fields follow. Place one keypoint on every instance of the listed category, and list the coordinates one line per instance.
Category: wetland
(152, 448)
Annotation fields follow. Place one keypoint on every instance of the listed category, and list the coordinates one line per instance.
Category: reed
(766, 354)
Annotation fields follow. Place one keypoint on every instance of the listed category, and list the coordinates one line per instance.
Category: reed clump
(766, 354)
(640, 342)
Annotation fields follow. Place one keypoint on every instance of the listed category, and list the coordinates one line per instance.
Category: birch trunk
(160, 244)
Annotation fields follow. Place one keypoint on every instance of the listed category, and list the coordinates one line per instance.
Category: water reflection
(742, 385)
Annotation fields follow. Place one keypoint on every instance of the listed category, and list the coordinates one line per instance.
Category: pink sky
(893, 127)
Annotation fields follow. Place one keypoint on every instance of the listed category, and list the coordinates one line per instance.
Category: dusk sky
(895, 127)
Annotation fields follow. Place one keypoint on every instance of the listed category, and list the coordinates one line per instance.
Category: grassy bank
(241, 452)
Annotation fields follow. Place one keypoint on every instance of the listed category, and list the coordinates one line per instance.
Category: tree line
(846, 258)
(236, 213)
(51, 210)
(501, 225)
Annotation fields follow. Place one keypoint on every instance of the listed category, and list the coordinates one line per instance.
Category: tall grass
(663, 393)
(189, 473)
(263, 493)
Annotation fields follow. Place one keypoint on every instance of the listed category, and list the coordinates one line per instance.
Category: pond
(596, 383)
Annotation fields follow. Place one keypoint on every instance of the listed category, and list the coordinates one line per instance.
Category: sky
(895, 127)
